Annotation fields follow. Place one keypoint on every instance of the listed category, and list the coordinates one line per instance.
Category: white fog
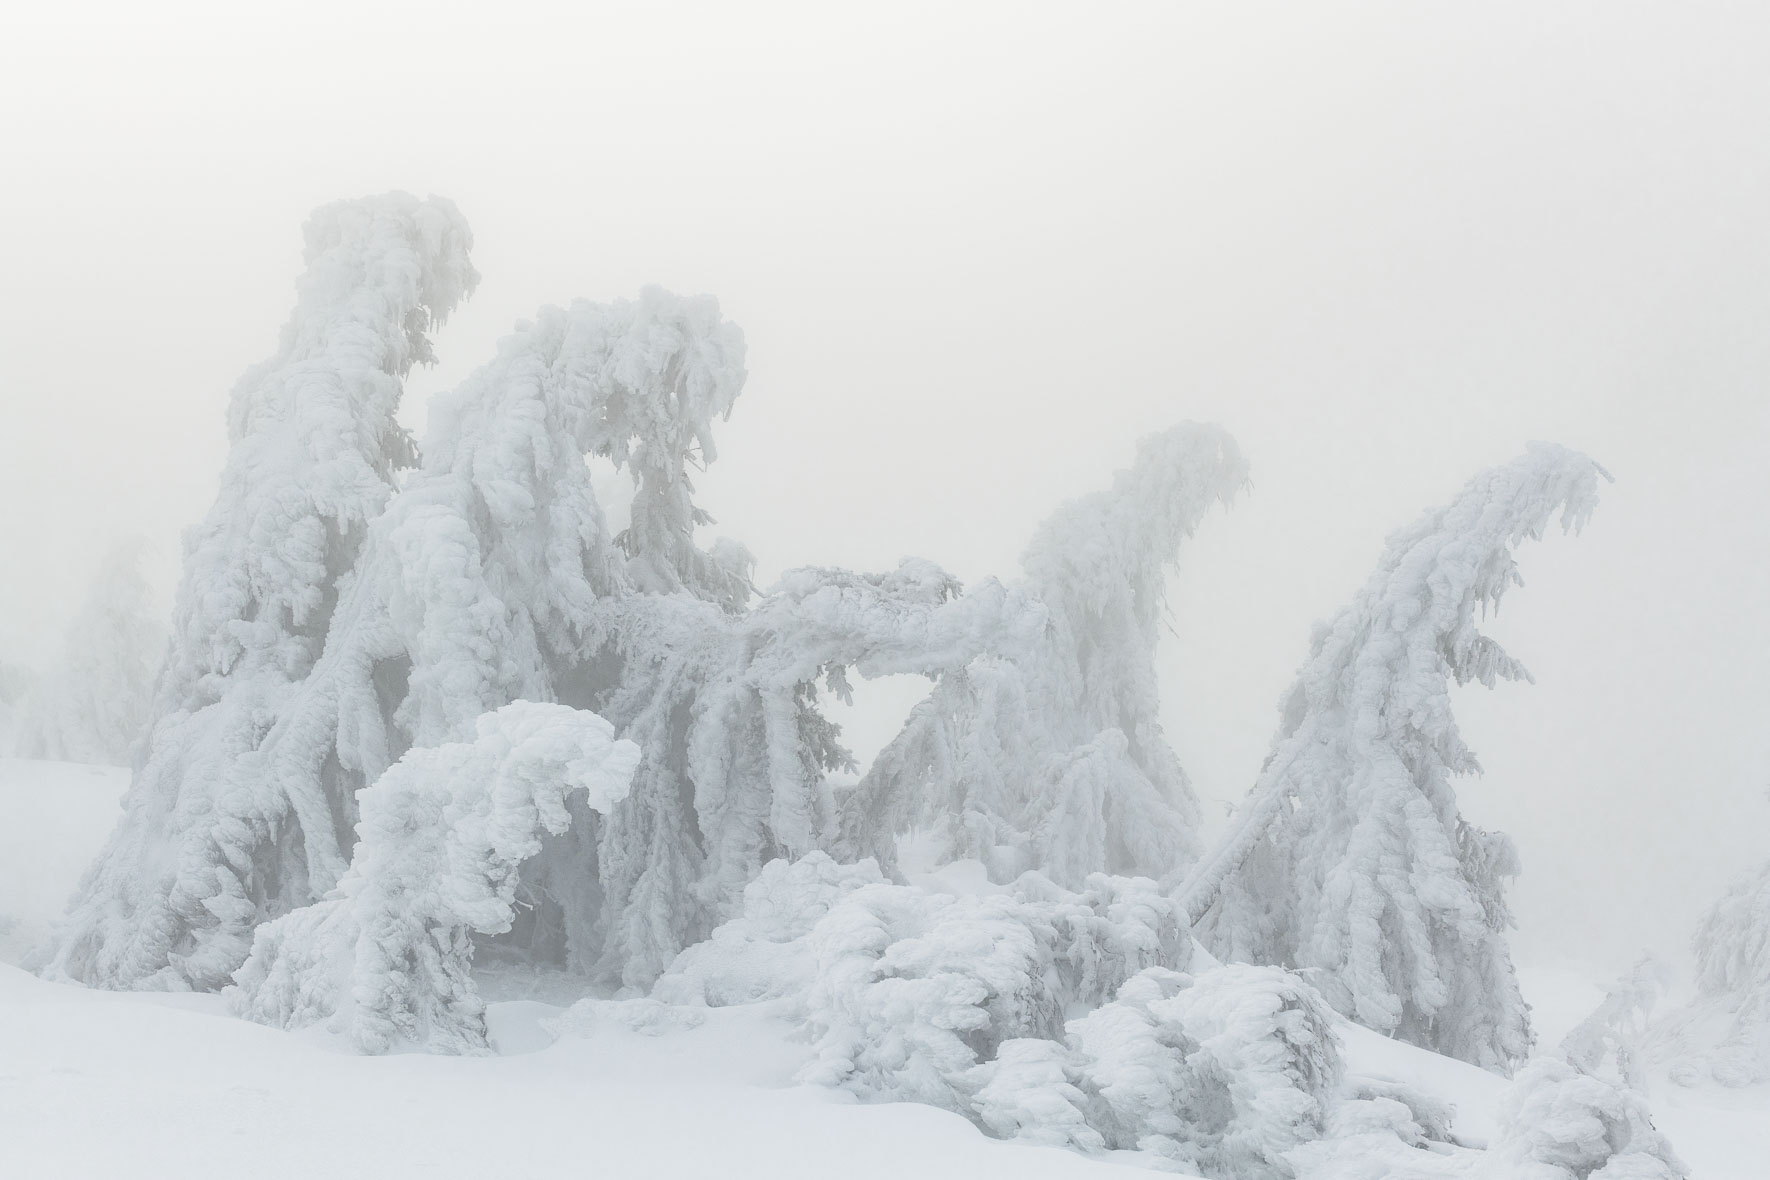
(965, 258)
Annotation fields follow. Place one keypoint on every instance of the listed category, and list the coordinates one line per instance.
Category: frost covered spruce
(386, 957)
(1349, 859)
(313, 447)
(1050, 755)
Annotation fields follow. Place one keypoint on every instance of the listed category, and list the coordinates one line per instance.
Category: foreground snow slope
(96, 1084)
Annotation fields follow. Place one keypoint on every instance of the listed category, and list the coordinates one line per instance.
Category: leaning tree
(1349, 859)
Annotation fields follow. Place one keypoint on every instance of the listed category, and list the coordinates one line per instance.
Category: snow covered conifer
(490, 577)
(442, 839)
(1349, 858)
(92, 705)
(1049, 755)
(313, 447)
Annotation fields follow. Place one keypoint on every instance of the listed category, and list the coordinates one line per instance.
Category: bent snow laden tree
(1349, 858)
(329, 623)
(1051, 756)
(313, 448)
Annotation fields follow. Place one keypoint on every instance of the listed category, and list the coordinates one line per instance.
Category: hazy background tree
(93, 703)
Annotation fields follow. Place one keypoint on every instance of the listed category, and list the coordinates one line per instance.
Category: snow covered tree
(491, 577)
(1049, 755)
(1724, 1033)
(313, 448)
(442, 839)
(1557, 1123)
(1350, 859)
(738, 754)
(93, 704)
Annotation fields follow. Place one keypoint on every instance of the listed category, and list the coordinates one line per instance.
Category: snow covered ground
(98, 1084)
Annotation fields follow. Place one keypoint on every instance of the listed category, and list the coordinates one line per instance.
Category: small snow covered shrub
(444, 832)
(1223, 1072)
(765, 954)
(1032, 1091)
(913, 989)
(1557, 1123)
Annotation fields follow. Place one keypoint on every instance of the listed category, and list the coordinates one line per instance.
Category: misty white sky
(977, 251)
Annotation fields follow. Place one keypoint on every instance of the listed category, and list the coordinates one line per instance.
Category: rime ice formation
(93, 704)
(440, 846)
(1349, 859)
(1050, 756)
(313, 446)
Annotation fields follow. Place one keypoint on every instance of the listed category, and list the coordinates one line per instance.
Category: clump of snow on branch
(1049, 754)
(1349, 858)
(199, 857)
(444, 833)
(94, 703)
